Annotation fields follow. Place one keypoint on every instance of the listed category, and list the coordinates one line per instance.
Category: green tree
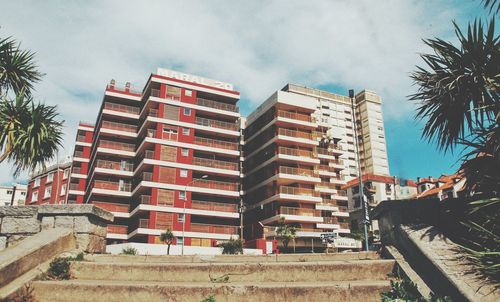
(30, 133)
(286, 232)
(232, 247)
(167, 237)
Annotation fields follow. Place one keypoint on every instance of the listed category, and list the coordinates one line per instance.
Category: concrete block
(75, 210)
(19, 225)
(47, 222)
(91, 243)
(83, 225)
(65, 222)
(14, 239)
(3, 242)
(16, 211)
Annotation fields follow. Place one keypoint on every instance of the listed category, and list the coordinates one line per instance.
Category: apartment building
(49, 185)
(168, 157)
(443, 187)
(13, 195)
(79, 168)
(292, 171)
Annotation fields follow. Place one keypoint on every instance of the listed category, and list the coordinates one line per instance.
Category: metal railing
(212, 163)
(294, 116)
(297, 171)
(110, 185)
(121, 108)
(117, 229)
(298, 191)
(145, 199)
(331, 220)
(112, 207)
(299, 211)
(216, 124)
(144, 223)
(214, 229)
(295, 152)
(294, 133)
(74, 187)
(214, 206)
(78, 154)
(80, 138)
(119, 126)
(113, 165)
(213, 184)
(116, 145)
(76, 170)
(216, 105)
(214, 143)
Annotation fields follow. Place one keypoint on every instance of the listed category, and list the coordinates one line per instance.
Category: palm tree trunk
(168, 249)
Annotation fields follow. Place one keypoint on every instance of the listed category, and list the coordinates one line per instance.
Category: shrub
(129, 251)
(232, 247)
(59, 269)
(210, 298)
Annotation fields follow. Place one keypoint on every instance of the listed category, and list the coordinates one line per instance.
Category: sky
(259, 46)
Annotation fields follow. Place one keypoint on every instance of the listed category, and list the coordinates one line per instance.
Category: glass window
(184, 173)
(9, 192)
(185, 131)
(50, 176)
(63, 189)
(48, 192)
(185, 152)
(182, 195)
(34, 196)
(66, 173)
(187, 111)
(188, 92)
(179, 240)
(181, 217)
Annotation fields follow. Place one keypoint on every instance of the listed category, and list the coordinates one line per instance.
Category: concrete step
(235, 258)
(92, 290)
(236, 272)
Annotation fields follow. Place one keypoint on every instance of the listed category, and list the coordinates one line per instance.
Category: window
(9, 192)
(181, 217)
(34, 196)
(63, 190)
(50, 176)
(182, 195)
(185, 152)
(23, 193)
(37, 182)
(187, 111)
(179, 240)
(48, 192)
(184, 173)
(188, 92)
(185, 131)
(66, 173)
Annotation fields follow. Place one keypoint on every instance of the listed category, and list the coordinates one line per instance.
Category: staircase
(335, 277)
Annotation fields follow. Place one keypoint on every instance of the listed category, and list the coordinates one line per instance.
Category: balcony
(324, 151)
(297, 171)
(156, 93)
(80, 138)
(299, 212)
(121, 108)
(119, 126)
(110, 185)
(217, 124)
(216, 105)
(145, 199)
(144, 223)
(331, 220)
(112, 165)
(295, 133)
(74, 187)
(117, 229)
(344, 225)
(147, 176)
(76, 170)
(294, 116)
(214, 143)
(216, 185)
(212, 163)
(214, 206)
(78, 154)
(112, 207)
(126, 89)
(295, 152)
(214, 229)
(298, 191)
(117, 146)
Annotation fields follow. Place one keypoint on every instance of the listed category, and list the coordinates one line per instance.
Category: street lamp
(366, 219)
(184, 210)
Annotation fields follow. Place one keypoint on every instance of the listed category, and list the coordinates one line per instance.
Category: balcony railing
(80, 138)
(78, 154)
(298, 191)
(126, 89)
(117, 146)
(331, 220)
(156, 93)
(294, 133)
(144, 223)
(117, 229)
(214, 229)
(212, 163)
(119, 126)
(147, 176)
(110, 185)
(299, 212)
(297, 171)
(295, 116)
(113, 165)
(328, 185)
(74, 187)
(145, 199)
(295, 152)
(214, 143)
(121, 108)
(214, 206)
(216, 124)
(344, 225)
(341, 193)
(216, 105)
(213, 184)
(325, 151)
(112, 207)
(149, 154)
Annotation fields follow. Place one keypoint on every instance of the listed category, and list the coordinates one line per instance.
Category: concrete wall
(160, 249)
(87, 222)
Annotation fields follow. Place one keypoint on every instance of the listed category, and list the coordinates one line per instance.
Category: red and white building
(168, 157)
(50, 185)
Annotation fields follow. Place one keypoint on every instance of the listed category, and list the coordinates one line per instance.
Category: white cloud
(257, 45)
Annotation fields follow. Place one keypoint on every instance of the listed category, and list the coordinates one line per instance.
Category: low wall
(161, 249)
(87, 222)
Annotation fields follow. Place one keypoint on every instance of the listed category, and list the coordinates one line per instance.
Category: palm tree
(287, 233)
(167, 238)
(30, 133)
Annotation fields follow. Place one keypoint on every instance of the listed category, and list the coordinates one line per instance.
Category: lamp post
(366, 218)
(184, 211)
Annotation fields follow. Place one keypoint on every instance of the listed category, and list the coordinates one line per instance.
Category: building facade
(13, 195)
(292, 171)
(80, 164)
(49, 185)
(443, 187)
(167, 157)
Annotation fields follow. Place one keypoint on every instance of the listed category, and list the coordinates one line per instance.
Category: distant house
(446, 186)
(18, 191)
